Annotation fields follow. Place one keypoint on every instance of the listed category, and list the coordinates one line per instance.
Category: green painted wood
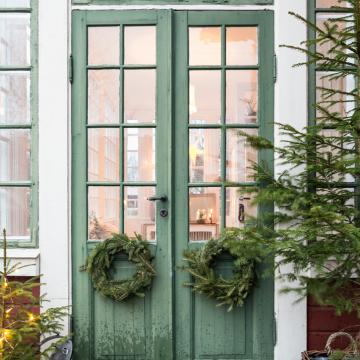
(171, 322)
(166, 2)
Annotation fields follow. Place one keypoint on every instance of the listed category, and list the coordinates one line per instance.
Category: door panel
(158, 99)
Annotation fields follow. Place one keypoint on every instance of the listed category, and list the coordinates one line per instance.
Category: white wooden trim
(290, 108)
(53, 151)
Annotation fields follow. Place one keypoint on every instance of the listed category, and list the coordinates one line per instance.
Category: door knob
(162, 198)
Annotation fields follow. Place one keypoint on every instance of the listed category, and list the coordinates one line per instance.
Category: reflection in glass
(204, 46)
(139, 213)
(241, 45)
(140, 45)
(103, 211)
(139, 96)
(339, 103)
(14, 39)
(103, 154)
(325, 46)
(241, 96)
(240, 156)
(14, 3)
(328, 3)
(14, 155)
(15, 212)
(204, 213)
(103, 96)
(204, 96)
(204, 155)
(103, 45)
(139, 154)
(238, 208)
(14, 97)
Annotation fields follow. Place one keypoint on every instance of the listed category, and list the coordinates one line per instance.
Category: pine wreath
(227, 291)
(101, 259)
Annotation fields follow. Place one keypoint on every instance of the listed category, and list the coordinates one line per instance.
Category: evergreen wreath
(101, 259)
(227, 291)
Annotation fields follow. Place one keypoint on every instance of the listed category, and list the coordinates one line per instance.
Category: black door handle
(162, 198)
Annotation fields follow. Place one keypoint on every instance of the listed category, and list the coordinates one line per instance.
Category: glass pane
(339, 103)
(241, 96)
(328, 3)
(140, 45)
(139, 96)
(14, 3)
(204, 96)
(14, 155)
(103, 211)
(103, 97)
(15, 212)
(204, 45)
(240, 156)
(103, 154)
(14, 39)
(239, 208)
(325, 46)
(14, 97)
(139, 154)
(204, 213)
(139, 213)
(241, 46)
(204, 155)
(104, 44)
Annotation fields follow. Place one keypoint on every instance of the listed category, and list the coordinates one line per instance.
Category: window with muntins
(173, 2)
(18, 121)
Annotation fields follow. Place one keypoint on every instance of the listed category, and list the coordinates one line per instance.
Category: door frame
(81, 282)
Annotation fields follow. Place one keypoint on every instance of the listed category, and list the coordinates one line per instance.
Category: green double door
(158, 99)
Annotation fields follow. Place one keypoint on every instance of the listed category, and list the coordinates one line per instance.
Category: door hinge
(274, 331)
(275, 70)
(71, 69)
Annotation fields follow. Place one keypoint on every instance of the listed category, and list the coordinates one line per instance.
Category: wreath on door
(100, 261)
(231, 291)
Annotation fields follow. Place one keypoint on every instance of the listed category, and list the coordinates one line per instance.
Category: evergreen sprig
(21, 322)
(317, 217)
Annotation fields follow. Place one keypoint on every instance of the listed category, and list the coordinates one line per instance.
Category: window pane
(339, 103)
(139, 212)
(204, 45)
(14, 3)
(241, 96)
(240, 156)
(204, 213)
(14, 97)
(15, 212)
(103, 211)
(328, 3)
(325, 46)
(238, 208)
(14, 155)
(139, 97)
(14, 39)
(140, 45)
(204, 96)
(241, 46)
(139, 154)
(204, 155)
(103, 97)
(103, 155)
(104, 44)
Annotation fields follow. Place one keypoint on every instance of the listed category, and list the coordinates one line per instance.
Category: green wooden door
(158, 97)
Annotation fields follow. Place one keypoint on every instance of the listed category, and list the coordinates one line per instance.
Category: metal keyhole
(164, 213)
